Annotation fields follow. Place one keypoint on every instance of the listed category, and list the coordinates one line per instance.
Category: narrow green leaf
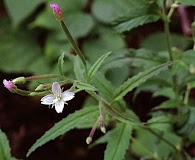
(79, 69)
(187, 2)
(118, 142)
(61, 63)
(96, 65)
(85, 86)
(138, 79)
(80, 119)
(5, 152)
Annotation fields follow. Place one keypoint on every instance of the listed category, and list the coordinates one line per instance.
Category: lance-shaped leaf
(85, 86)
(80, 119)
(61, 64)
(138, 79)
(79, 70)
(97, 65)
(118, 142)
(4, 147)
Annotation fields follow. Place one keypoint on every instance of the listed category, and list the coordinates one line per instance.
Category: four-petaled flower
(57, 11)
(58, 98)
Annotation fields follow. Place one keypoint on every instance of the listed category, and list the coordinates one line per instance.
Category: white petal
(59, 105)
(66, 96)
(56, 88)
(48, 99)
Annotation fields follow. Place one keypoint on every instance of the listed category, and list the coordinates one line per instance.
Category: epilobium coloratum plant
(164, 66)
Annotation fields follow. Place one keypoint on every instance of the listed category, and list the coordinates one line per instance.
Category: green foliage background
(31, 42)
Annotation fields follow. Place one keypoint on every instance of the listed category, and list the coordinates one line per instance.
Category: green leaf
(172, 103)
(136, 16)
(118, 142)
(138, 79)
(104, 86)
(79, 69)
(80, 119)
(97, 65)
(166, 91)
(135, 22)
(85, 86)
(5, 151)
(61, 64)
(185, 123)
(160, 122)
(147, 144)
(106, 40)
(79, 24)
(187, 2)
(109, 10)
(18, 51)
(156, 42)
(20, 10)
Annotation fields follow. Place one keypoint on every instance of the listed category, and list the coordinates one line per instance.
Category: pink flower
(9, 85)
(57, 11)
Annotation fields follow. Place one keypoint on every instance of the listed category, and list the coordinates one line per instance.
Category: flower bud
(88, 140)
(9, 85)
(19, 80)
(103, 129)
(57, 11)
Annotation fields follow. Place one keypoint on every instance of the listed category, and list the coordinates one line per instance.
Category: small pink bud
(9, 85)
(57, 11)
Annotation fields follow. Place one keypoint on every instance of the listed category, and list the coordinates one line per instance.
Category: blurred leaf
(137, 16)
(5, 151)
(161, 123)
(94, 68)
(20, 10)
(79, 24)
(188, 57)
(169, 104)
(138, 79)
(117, 75)
(118, 142)
(105, 40)
(146, 144)
(72, 6)
(185, 122)
(104, 86)
(18, 52)
(166, 92)
(54, 46)
(109, 10)
(187, 2)
(156, 42)
(80, 119)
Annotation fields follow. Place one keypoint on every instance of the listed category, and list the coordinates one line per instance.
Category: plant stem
(73, 43)
(168, 42)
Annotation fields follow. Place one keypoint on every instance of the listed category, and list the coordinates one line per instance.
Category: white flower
(58, 98)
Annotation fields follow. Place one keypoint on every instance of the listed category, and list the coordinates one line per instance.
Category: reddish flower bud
(9, 85)
(57, 11)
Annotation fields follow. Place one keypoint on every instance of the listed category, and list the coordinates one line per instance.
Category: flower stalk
(59, 16)
(168, 42)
